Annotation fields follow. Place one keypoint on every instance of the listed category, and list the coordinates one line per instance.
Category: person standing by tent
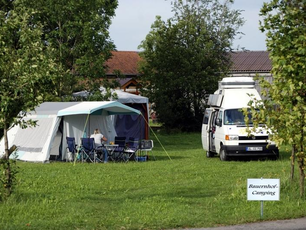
(99, 139)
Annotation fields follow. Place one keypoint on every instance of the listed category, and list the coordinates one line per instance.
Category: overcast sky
(134, 18)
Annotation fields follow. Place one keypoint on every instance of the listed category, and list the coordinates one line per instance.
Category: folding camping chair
(132, 148)
(146, 146)
(101, 154)
(88, 150)
(119, 149)
(71, 149)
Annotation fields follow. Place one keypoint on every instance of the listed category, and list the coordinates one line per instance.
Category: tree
(45, 46)
(78, 33)
(185, 57)
(284, 110)
(25, 69)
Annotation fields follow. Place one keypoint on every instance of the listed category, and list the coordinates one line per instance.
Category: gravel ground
(292, 224)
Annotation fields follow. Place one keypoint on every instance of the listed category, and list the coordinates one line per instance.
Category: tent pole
(145, 116)
(140, 125)
(89, 133)
(78, 151)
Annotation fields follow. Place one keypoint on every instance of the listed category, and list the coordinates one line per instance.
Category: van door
(212, 132)
(206, 127)
(219, 131)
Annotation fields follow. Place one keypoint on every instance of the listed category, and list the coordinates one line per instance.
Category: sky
(134, 18)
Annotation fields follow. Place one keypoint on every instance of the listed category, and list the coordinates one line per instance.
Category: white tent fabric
(56, 120)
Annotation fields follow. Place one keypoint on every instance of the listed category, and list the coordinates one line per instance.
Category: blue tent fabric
(131, 125)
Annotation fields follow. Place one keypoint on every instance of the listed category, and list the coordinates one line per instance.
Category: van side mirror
(219, 122)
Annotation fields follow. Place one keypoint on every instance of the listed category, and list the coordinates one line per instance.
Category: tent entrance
(56, 143)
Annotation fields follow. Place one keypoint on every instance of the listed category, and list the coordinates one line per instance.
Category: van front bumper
(251, 150)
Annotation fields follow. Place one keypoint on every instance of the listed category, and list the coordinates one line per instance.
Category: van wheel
(209, 154)
(223, 155)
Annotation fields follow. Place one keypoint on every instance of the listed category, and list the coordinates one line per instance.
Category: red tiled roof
(125, 61)
(243, 62)
(250, 61)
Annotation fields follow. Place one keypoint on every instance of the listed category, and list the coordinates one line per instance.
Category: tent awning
(97, 107)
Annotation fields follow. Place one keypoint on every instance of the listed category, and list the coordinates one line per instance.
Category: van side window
(206, 116)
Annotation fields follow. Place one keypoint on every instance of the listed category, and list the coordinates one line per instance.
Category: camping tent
(132, 125)
(129, 125)
(56, 120)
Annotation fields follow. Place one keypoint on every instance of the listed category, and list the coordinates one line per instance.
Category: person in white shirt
(99, 139)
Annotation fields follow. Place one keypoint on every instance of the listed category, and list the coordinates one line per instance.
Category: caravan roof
(237, 82)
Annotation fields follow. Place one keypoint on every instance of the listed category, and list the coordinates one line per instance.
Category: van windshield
(235, 117)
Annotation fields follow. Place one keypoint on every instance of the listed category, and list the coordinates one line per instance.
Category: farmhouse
(125, 63)
(245, 63)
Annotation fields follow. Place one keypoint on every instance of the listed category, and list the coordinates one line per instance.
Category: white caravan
(223, 128)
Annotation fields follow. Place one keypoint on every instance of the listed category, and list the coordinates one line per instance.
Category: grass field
(188, 191)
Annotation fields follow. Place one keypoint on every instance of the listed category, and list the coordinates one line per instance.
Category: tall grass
(189, 190)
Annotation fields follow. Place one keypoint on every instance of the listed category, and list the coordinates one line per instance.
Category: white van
(224, 129)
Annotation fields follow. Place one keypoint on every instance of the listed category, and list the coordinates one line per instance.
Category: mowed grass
(189, 190)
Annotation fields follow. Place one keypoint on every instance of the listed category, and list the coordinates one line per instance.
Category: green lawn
(188, 191)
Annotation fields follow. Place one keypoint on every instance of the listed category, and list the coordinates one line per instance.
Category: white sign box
(263, 189)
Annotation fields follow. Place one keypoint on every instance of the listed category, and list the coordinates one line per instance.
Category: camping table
(111, 149)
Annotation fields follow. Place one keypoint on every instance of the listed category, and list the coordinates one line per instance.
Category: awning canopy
(97, 108)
